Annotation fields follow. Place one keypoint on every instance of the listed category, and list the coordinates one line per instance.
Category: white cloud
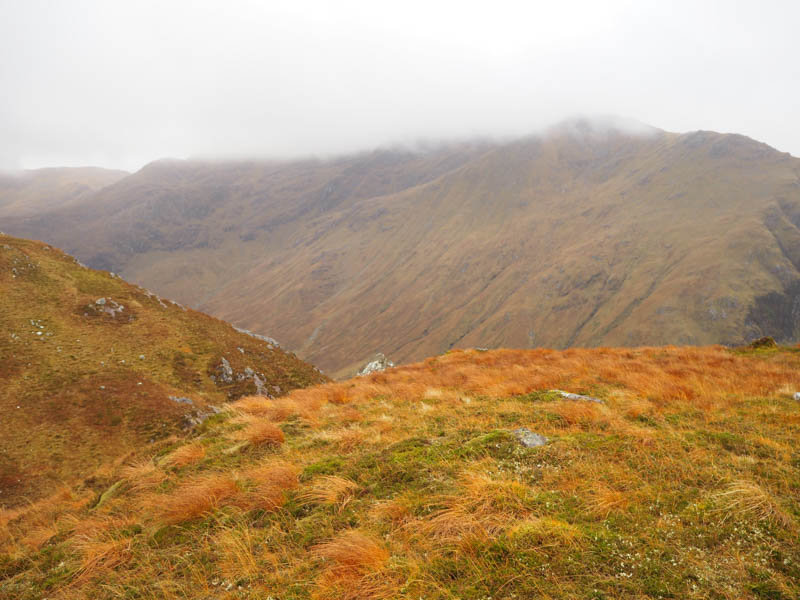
(119, 84)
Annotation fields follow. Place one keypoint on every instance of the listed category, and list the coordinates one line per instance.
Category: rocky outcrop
(379, 363)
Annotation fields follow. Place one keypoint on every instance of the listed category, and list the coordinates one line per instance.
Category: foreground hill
(679, 480)
(588, 235)
(93, 369)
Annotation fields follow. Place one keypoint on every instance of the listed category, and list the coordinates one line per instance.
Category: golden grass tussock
(32, 525)
(330, 490)
(271, 482)
(260, 432)
(185, 455)
(744, 499)
(603, 500)
(482, 508)
(352, 554)
(338, 393)
(195, 498)
(100, 555)
(143, 475)
(278, 410)
(346, 439)
(238, 550)
(581, 413)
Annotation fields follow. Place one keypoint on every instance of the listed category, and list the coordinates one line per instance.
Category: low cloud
(115, 84)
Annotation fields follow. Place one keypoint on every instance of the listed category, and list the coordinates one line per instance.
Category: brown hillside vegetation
(33, 192)
(94, 370)
(586, 236)
(682, 483)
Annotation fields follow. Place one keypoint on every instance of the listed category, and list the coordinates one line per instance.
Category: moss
(327, 466)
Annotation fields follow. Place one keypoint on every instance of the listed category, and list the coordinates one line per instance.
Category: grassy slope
(407, 484)
(80, 389)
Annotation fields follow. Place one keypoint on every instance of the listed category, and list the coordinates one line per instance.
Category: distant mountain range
(589, 234)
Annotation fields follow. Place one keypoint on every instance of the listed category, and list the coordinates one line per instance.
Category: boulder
(528, 438)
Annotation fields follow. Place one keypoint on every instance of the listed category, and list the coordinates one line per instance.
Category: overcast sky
(118, 84)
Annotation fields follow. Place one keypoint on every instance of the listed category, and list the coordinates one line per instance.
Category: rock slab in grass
(528, 438)
(571, 396)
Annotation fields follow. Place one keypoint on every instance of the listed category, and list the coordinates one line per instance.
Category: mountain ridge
(551, 240)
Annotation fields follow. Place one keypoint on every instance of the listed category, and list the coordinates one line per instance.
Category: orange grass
(331, 490)
(352, 554)
(195, 498)
(185, 455)
(271, 482)
(260, 432)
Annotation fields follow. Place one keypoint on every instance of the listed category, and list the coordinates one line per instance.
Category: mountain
(672, 475)
(94, 370)
(589, 234)
(36, 191)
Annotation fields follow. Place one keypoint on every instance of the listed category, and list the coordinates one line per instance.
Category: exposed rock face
(224, 371)
(271, 342)
(528, 438)
(571, 396)
(224, 374)
(379, 363)
(106, 306)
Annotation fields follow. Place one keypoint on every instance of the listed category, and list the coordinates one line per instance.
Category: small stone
(571, 396)
(797, 395)
(100, 301)
(528, 438)
(141, 357)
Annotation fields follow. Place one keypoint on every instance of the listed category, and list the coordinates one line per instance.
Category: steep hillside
(677, 478)
(41, 190)
(585, 236)
(93, 369)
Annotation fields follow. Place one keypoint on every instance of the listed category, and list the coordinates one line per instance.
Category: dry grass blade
(185, 455)
(196, 498)
(100, 555)
(260, 433)
(747, 499)
(143, 475)
(272, 481)
(331, 490)
(352, 554)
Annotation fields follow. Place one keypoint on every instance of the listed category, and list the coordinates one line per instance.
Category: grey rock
(571, 396)
(225, 371)
(379, 363)
(261, 388)
(258, 336)
(182, 400)
(528, 438)
(100, 301)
